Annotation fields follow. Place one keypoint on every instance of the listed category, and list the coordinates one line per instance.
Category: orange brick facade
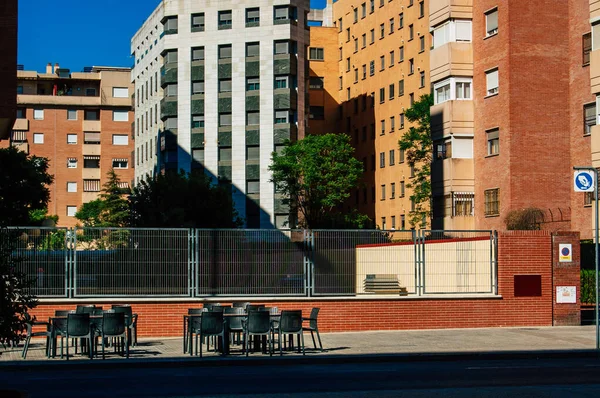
(519, 253)
(8, 65)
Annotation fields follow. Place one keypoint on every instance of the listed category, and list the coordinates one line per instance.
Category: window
(383, 196)
(372, 36)
(91, 185)
(120, 163)
(492, 81)
(71, 114)
(381, 95)
(71, 210)
(348, 64)
(91, 138)
(392, 124)
(252, 153)
(71, 163)
(381, 31)
(356, 45)
(225, 19)
(411, 66)
(422, 79)
(463, 30)
(411, 32)
(393, 217)
(401, 21)
(170, 57)
(252, 118)
(392, 157)
(589, 117)
(282, 47)
(120, 92)
(383, 224)
(421, 9)
(443, 150)
(401, 88)
(421, 44)
(492, 202)
(391, 25)
(493, 141)
(402, 189)
(224, 119)
(392, 54)
(316, 83)
(382, 159)
(372, 6)
(252, 84)
(392, 91)
(363, 8)
(71, 187)
(316, 53)
(121, 116)
(282, 13)
(587, 48)
(252, 49)
(347, 35)
(71, 139)
(225, 85)
(171, 90)
(371, 68)
(198, 22)
(442, 92)
(170, 25)
(340, 25)
(252, 16)
(120, 139)
(197, 87)
(198, 54)
(91, 162)
(38, 114)
(21, 113)
(171, 123)
(197, 121)
(411, 99)
(198, 155)
(355, 75)
(355, 15)
(401, 54)
(382, 63)
(91, 114)
(401, 127)
(281, 81)
(225, 51)
(364, 40)
(90, 92)
(19, 89)
(364, 71)
(38, 138)
(491, 22)
(281, 117)
(252, 187)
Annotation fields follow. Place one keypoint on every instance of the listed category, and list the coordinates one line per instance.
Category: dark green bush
(588, 285)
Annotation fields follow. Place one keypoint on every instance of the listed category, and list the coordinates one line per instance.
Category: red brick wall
(8, 65)
(566, 274)
(519, 253)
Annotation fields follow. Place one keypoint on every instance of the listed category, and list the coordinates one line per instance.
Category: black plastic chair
(258, 323)
(59, 328)
(290, 323)
(254, 307)
(313, 327)
(234, 323)
(206, 325)
(113, 325)
(186, 326)
(130, 322)
(241, 304)
(29, 324)
(85, 309)
(78, 326)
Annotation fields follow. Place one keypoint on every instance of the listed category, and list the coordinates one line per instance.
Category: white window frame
(69, 111)
(38, 114)
(120, 139)
(72, 139)
(491, 32)
(120, 116)
(120, 92)
(491, 90)
(452, 82)
(71, 211)
(448, 32)
(71, 163)
(72, 187)
(38, 138)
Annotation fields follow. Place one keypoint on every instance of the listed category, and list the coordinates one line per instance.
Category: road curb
(325, 359)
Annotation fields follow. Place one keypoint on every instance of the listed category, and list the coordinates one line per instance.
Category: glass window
(122, 116)
(225, 86)
(71, 211)
(252, 15)
(252, 49)
(118, 139)
(170, 57)
(589, 115)
(224, 119)
(71, 163)
(281, 117)
(463, 90)
(225, 19)
(252, 118)
(198, 22)
(281, 81)
(225, 51)
(71, 139)
(281, 13)
(282, 47)
(316, 53)
(198, 88)
(316, 83)
(491, 22)
(198, 54)
(171, 90)
(198, 155)
(71, 114)
(197, 121)
(224, 154)
(120, 92)
(38, 138)
(252, 153)
(442, 93)
(493, 141)
(120, 163)
(252, 84)
(38, 114)
(71, 187)
(492, 81)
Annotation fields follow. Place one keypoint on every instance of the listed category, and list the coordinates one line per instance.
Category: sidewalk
(456, 341)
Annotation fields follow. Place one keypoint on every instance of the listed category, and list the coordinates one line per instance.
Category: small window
(281, 13)
(89, 114)
(381, 95)
(493, 141)
(281, 117)
(198, 88)
(382, 123)
(281, 81)
(252, 153)
(71, 114)
(382, 63)
(120, 139)
(71, 163)
(19, 89)
(282, 47)
(422, 79)
(71, 210)
(372, 36)
(411, 32)
(38, 138)
(171, 90)
(355, 15)
(92, 138)
(224, 154)
(198, 155)
(421, 9)
(371, 68)
(38, 114)
(71, 187)
(253, 187)
(252, 16)
(392, 157)
(197, 121)
(170, 57)
(120, 92)
(491, 22)
(224, 119)
(589, 115)
(401, 127)
(381, 31)
(587, 48)
(90, 92)
(225, 19)
(198, 22)
(252, 118)
(492, 202)
(198, 54)
(442, 92)
(252, 49)
(121, 116)
(391, 25)
(71, 139)
(391, 91)
(225, 85)
(316, 83)
(492, 81)
(120, 163)
(383, 198)
(21, 113)
(411, 66)
(421, 44)
(463, 90)
(252, 84)
(316, 112)
(316, 54)
(225, 51)
(401, 20)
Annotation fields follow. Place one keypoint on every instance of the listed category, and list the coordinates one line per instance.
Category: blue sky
(78, 33)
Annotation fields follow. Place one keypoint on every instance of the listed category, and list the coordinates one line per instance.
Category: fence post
(494, 261)
(73, 270)
(309, 282)
(191, 261)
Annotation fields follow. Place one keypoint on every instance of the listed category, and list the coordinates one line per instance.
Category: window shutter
(198, 19)
(493, 134)
(254, 14)
(225, 16)
(440, 37)
(596, 36)
(492, 21)
(463, 30)
(281, 13)
(492, 79)
(253, 50)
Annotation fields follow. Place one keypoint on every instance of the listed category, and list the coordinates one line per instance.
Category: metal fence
(118, 262)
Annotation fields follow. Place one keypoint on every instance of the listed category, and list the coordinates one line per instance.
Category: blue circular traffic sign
(584, 181)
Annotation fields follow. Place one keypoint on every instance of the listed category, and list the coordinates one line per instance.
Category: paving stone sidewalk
(369, 343)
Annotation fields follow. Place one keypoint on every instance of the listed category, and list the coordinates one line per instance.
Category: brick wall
(566, 274)
(519, 253)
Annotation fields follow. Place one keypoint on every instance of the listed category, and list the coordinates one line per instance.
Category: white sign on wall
(566, 294)
(565, 252)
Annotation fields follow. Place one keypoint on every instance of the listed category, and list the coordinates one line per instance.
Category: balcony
(442, 10)
(452, 116)
(64, 100)
(594, 9)
(452, 175)
(596, 146)
(451, 59)
(91, 125)
(595, 71)
(21, 125)
(21, 146)
(87, 197)
(92, 149)
(91, 174)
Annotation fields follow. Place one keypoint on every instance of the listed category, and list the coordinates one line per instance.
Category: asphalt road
(371, 377)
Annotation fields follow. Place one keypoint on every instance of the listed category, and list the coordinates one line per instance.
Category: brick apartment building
(8, 65)
(81, 122)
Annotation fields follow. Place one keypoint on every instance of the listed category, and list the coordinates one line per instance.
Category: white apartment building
(233, 77)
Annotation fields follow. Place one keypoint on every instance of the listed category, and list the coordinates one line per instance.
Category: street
(471, 378)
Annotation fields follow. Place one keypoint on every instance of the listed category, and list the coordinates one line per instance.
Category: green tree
(180, 200)
(90, 213)
(24, 182)
(115, 208)
(317, 174)
(40, 217)
(418, 148)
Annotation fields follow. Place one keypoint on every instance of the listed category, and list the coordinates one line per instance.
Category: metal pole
(596, 257)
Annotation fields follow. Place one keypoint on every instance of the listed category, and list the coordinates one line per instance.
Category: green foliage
(418, 147)
(317, 174)
(588, 286)
(90, 213)
(40, 217)
(528, 219)
(180, 200)
(115, 208)
(24, 182)
(15, 299)
(54, 240)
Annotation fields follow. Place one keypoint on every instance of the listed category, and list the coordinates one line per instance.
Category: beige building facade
(81, 122)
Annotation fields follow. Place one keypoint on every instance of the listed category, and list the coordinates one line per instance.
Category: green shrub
(588, 286)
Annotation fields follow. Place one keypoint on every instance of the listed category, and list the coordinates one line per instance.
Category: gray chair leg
(319, 337)
(103, 347)
(302, 338)
(25, 347)
(312, 334)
